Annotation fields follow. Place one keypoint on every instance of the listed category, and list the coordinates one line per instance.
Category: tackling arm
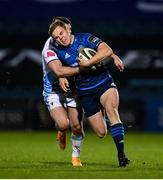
(62, 71)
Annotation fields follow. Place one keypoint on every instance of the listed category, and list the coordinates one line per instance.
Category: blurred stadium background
(132, 28)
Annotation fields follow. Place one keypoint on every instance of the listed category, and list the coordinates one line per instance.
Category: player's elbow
(106, 50)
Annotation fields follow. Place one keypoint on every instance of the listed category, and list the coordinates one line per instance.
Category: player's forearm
(114, 57)
(65, 71)
(103, 52)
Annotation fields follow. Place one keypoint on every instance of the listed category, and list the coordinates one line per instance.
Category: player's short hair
(53, 26)
(63, 19)
(58, 21)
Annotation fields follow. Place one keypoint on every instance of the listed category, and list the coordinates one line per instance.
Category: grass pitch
(36, 155)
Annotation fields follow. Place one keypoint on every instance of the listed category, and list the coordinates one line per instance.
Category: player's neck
(71, 39)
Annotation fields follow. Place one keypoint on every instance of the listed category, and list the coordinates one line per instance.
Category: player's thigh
(74, 111)
(55, 105)
(110, 98)
(110, 101)
(98, 124)
(59, 115)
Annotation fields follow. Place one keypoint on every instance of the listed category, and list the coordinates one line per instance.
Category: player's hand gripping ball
(85, 54)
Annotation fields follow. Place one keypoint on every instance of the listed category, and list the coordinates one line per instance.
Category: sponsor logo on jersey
(50, 53)
(93, 39)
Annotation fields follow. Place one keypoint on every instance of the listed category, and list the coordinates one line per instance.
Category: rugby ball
(86, 53)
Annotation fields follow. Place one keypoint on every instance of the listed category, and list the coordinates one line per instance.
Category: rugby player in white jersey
(63, 107)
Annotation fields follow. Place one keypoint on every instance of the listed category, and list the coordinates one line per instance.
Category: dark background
(133, 28)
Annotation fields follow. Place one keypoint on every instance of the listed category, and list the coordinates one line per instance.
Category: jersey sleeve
(93, 41)
(49, 55)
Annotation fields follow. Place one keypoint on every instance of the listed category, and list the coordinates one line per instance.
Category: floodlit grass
(36, 155)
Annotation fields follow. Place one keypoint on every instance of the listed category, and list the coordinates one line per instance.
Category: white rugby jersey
(50, 80)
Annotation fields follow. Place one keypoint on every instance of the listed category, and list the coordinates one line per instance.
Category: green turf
(36, 155)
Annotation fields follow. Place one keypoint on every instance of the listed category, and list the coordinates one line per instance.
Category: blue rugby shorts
(90, 99)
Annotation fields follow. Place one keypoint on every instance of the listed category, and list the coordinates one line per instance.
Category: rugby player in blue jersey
(63, 107)
(96, 89)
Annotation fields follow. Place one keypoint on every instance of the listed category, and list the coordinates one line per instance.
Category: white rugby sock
(77, 141)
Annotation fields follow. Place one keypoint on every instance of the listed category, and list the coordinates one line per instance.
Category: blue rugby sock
(117, 131)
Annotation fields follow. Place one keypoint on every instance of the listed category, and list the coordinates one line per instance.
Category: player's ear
(68, 28)
(69, 25)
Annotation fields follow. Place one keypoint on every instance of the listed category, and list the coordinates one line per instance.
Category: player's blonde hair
(53, 26)
(58, 21)
(63, 19)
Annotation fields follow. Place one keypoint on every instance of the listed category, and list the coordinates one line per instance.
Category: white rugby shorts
(58, 99)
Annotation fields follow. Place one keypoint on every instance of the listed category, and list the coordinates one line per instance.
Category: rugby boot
(76, 161)
(123, 161)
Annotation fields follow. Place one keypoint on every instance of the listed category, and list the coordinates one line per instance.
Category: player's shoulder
(83, 37)
(48, 42)
(49, 45)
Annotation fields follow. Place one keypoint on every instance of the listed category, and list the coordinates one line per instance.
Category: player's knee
(76, 128)
(101, 133)
(63, 126)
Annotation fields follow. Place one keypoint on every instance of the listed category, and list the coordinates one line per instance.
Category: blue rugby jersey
(69, 56)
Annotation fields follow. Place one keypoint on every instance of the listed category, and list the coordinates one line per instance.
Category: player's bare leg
(98, 124)
(59, 115)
